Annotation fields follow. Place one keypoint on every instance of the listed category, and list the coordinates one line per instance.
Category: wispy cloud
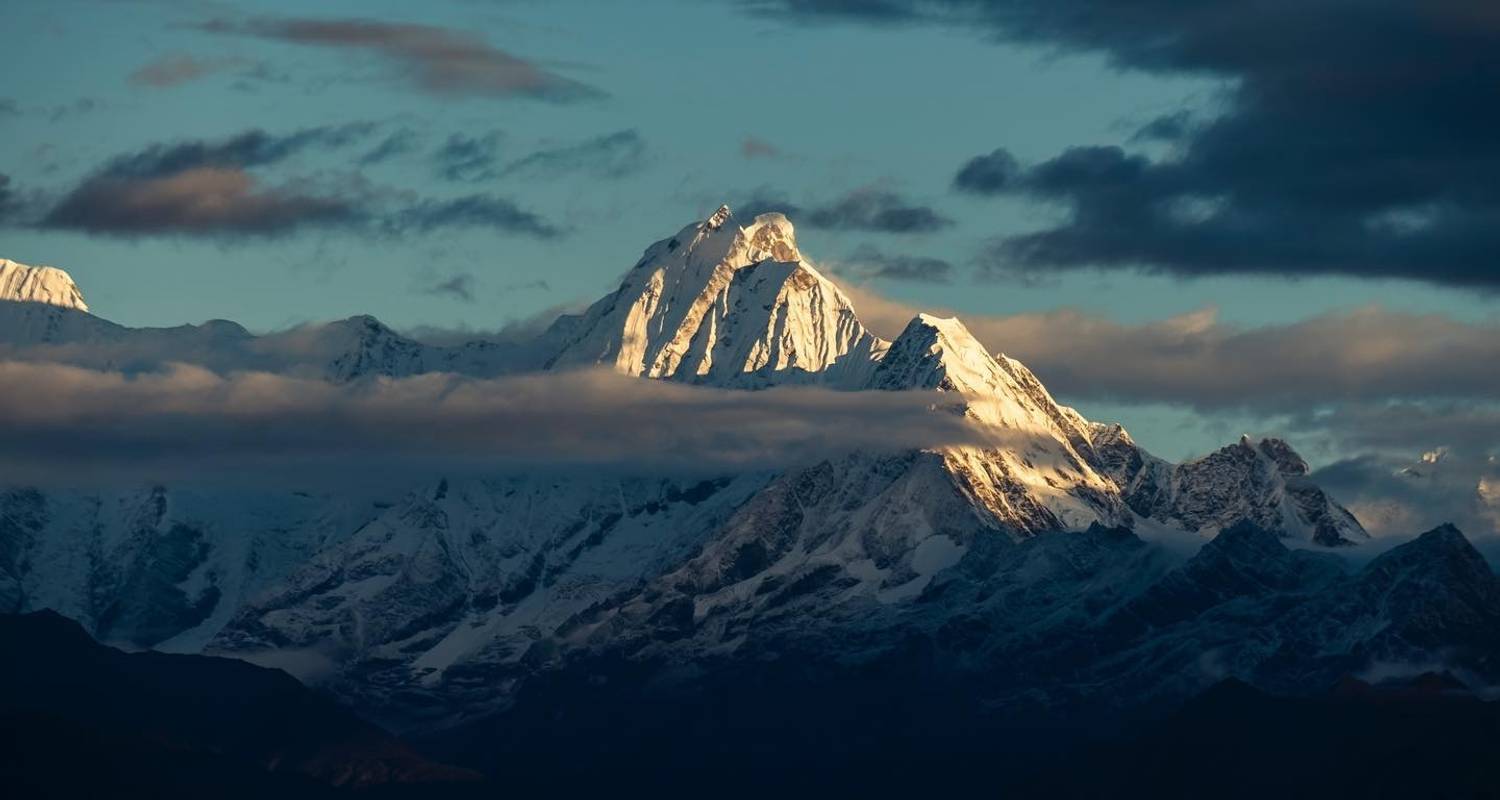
(176, 69)
(469, 158)
(215, 189)
(469, 211)
(458, 287)
(612, 155)
(252, 148)
(869, 262)
(396, 144)
(79, 107)
(869, 209)
(436, 60)
(472, 159)
(752, 147)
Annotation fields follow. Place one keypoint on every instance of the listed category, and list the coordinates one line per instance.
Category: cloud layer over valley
(69, 424)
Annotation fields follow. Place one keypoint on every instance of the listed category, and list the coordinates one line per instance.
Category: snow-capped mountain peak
(725, 304)
(940, 353)
(27, 284)
(1288, 462)
(718, 218)
(937, 353)
(1041, 478)
(1263, 481)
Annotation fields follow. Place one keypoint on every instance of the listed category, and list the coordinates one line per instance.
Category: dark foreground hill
(1427, 737)
(81, 719)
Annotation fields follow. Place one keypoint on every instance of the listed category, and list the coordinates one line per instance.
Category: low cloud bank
(76, 426)
(1395, 498)
(1371, 388)
(1200, 361)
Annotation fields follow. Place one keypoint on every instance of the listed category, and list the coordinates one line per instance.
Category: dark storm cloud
(438, 60)
(1129, 211)
(612, 155)
(875, 210)
(868, 209)
(991, 173)
(866, 10)
(210, 188)
(1172, 127)
(869, 262)
(1357, 137)
(11, 204)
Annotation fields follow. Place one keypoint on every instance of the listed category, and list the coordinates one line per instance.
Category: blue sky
(830, 105)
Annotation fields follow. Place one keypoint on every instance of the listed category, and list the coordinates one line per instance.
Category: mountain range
(1051, 570)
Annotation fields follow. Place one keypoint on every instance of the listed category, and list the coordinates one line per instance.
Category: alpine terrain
(1050, 570)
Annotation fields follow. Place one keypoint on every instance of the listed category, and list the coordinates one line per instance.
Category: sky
(1197, 219)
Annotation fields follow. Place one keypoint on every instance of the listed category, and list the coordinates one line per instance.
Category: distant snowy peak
(940, 353)
(362, 346)
(718, 218)
(27, 284)
(1287, 461)
(723, 304)
(42, 306)
(1261, 481)
(936, 353)
(1040, 477)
